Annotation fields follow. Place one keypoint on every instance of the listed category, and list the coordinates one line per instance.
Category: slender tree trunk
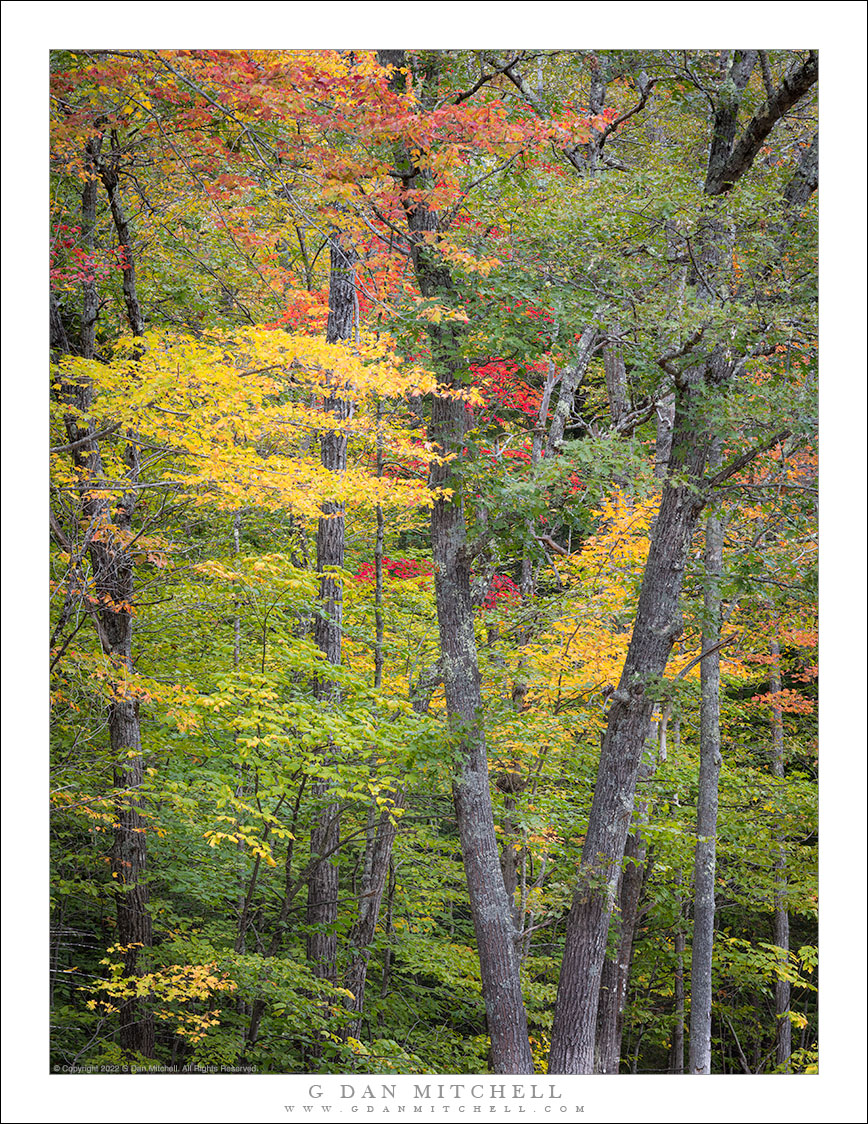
(361, 940)
(706, 812)
(322, 895)
(570, 383)
(784, 1029)
(490, 906)
(489, 902)
(676, 1064)
(108, 171)
(110, 528)
(380, 838)
(615, 974)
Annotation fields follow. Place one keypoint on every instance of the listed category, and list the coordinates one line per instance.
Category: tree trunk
(108, 171)
(784, 1029)
(113, 583)
(570, 383)
(706, 811)
(658, 623)
(658, 616)
(615, 973)
(490, 906)
(676, 1064)
(663, 447)
(616, 381)
(489, 902)
(361, 939)
(322, 894)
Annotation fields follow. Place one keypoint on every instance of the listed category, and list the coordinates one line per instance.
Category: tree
(657, 619)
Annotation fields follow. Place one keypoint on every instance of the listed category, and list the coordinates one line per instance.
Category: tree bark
(657, 619)
(784, 1029)
(570, 383)
(361, 939)
(676, 1064)
(490, 906)
(108, 171)
(727, 167)
(706, 812)
(489, 902)
(615, 973)
(322, 894)
(616, 381)
(113, 583)
(658, 623)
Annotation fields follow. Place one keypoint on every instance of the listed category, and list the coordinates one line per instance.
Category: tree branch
(792, 89)
(487, 78)
(708, 651)
(739, 462)
(82, 441)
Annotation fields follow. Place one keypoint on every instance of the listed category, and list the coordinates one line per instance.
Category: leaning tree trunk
(322, 892)
(658, 616)
(706, 811)
(377, 864)
(490, 905)
(658, 623)
(615, 974)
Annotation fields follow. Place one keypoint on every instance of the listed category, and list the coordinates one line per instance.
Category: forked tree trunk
(658, 623)
(658, 617)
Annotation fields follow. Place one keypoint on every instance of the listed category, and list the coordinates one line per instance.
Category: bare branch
(708, 651)
(487, 78)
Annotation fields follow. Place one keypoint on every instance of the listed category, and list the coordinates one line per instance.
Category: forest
(433, 561)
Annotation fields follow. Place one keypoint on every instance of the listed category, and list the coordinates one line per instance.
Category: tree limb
(745, 458)
(792, 89)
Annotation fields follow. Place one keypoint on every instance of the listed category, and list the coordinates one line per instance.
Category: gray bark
(377, 864)
(728, 162)
(784, 1029)
(663, 447)
(113, 588)
(658, 616)
(570, 383)
(616, 382)
(676, 1064)
(658, 623)
(322, 894)
(109, 174)
(490, 906)
(615, 974)
(706, 812)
